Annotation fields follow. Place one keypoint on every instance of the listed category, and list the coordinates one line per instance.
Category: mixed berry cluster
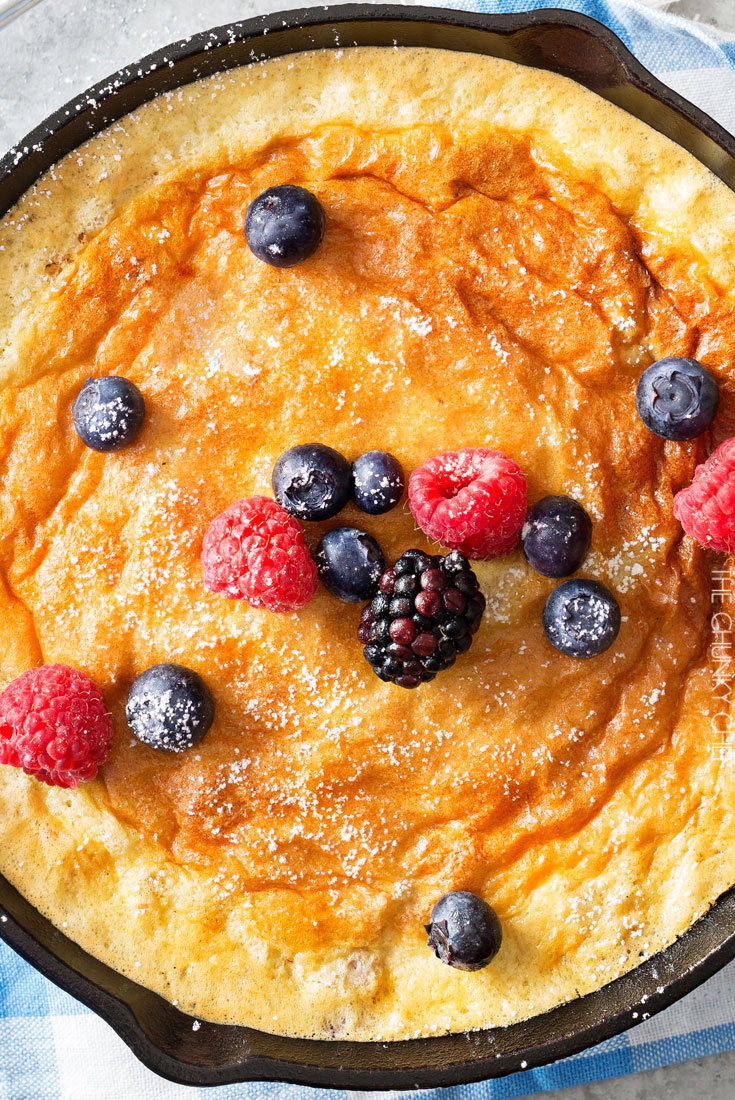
(256, 549)
(419, 620)
(55, 726)
(678, 399)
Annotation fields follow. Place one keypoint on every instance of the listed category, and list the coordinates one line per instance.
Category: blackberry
(426, 612)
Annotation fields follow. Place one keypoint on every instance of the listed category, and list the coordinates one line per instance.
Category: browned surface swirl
(465, 294)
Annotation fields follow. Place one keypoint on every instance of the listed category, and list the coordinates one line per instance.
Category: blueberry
(169, 707)
(378, 482)
(556, 536)
(464, 931)
(284, 225)
(581, 618)
(677, 398)
(312, 481)
(350, 564)
(108, 413)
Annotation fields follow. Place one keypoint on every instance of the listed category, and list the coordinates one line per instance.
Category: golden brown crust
(524, 775)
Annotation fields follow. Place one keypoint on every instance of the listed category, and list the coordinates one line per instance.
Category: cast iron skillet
(213, 1054)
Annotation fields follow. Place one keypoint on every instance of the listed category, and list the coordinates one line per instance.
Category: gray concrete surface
(721, 13)
(701, 1079)
(58, 49)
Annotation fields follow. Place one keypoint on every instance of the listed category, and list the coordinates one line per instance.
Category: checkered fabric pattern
(52, 1048)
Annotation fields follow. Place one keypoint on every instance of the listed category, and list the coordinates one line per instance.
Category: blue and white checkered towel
(52, 1048)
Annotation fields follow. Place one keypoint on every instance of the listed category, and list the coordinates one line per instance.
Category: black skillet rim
(162, 1037)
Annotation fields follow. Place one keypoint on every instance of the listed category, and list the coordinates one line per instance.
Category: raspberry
(473, 500)
(706, 510)
(256, 551)
(54, 725)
